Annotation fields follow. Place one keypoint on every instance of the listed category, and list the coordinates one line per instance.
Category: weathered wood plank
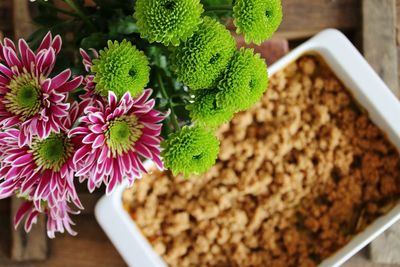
(379, 39)
(398, 37)
(6, 17)
(380, 49)
(302, 19)
(305, 18)
(89, 201)
(91, 248)
(386, 248)
(31, 246)
(4, 228)
(271, 50)
(22, 20)
(4, 205)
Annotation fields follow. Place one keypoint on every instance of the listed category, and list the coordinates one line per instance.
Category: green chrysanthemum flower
(204, 110)
(193, 150)
(200, 60)
(257, 19)
(168, 21)
(244, 81)
(121, 68)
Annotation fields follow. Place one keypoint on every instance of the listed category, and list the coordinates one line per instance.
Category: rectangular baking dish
(368, 89)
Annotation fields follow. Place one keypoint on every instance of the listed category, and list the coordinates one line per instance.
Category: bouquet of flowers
(60, 122)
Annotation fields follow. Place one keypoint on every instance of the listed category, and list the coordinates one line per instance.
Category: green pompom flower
(121, 68)
(205, 111)
(257, 19)
(168, 21)
(192, 150)
(244, 81)
(200, 60)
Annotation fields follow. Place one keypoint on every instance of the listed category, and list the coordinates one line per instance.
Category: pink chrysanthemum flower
(28, 96)
(58, 217)
(88, 82)
(117, 135)
(42, 171)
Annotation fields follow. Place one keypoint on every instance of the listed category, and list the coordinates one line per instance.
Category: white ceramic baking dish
(369, 90)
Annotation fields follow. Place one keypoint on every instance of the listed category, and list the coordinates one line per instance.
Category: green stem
(218, 8)
(164, 93)
(80, 13)
(48, 5)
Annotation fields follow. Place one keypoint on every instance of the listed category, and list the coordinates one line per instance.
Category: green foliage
(244, 81)
(192, 150)
(189, 58)
(219, 9)
(257, 19)
(212, 3)
(200, 60)
(205, 111)
(121, 68)
(168, 21)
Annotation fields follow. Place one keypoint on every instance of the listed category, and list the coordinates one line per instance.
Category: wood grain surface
(91, 248)
(379, 39)
(22, 21)
(5, 17)
(302, 19)
(32, 246)
(380, 50)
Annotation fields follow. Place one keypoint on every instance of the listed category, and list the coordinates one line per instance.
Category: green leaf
(122, 25)
(162, 103)
(216, 2)
(126, 5)
(95, 40)
(46, 20)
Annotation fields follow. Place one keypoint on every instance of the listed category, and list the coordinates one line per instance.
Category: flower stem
(80, 13)
(164, 93)
(218, 8)
(48, 5)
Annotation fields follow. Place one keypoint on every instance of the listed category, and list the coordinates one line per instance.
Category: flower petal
(60, 79)
(71, 85)
(21, 212)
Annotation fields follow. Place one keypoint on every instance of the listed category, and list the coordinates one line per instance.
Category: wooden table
(91, 248)
(303, 18)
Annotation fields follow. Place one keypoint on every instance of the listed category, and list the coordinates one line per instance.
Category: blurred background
(372, 25)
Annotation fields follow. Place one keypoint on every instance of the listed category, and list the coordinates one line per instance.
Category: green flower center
(24, 96)
(52, 152)
(132, 73)
(122, 134)
(169, 5)
(215, 58)
(252, 83)
(197, 157)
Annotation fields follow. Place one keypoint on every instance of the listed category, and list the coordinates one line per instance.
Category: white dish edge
(366, 86)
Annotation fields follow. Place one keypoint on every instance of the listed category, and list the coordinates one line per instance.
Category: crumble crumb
(298, 176)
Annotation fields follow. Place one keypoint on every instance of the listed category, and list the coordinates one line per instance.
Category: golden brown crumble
(297, 176)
